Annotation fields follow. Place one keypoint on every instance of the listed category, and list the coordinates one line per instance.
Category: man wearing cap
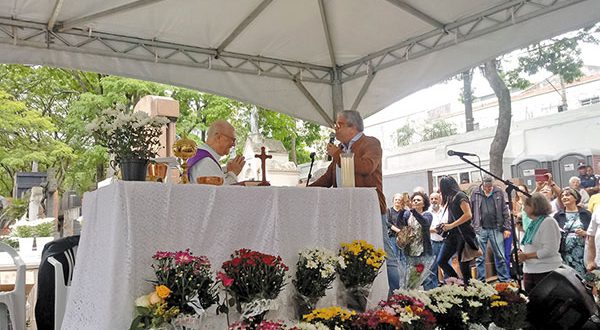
(587, 181)
(491, 223)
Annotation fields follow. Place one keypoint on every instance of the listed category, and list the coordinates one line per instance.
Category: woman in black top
(458, 229)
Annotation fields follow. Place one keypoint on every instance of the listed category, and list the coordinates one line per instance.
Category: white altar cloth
(125, 223)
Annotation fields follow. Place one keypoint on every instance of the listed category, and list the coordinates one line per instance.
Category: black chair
(62, 251)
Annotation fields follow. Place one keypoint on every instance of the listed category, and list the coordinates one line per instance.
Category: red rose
(420, 268)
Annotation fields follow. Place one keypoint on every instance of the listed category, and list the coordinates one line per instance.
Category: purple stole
(200, 155)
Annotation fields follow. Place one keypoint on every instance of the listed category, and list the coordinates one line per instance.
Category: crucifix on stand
(263, 165)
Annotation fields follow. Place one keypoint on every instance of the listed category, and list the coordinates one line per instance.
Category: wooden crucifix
(263, 165)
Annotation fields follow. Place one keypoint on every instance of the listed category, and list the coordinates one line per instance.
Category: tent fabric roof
(307, 58)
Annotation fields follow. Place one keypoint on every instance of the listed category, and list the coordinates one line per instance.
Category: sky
(447, 92)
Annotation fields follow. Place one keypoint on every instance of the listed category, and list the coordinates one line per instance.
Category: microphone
(459, 153)
(331, 140)
(312, 155)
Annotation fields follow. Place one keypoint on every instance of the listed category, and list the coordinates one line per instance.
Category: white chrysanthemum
(473, 303)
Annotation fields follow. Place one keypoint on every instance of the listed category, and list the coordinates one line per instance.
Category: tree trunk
(563, 93)
(490, 71)
(293, 151)
(467, 78)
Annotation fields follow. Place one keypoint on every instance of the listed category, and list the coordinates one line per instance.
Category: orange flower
(162, 291)
(501, 286)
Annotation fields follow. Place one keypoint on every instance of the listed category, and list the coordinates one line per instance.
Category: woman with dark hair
(414, 239)
(573, 221)
(459, 230)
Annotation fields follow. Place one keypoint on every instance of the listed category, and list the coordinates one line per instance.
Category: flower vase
(356, 298)
(133, 169)
(304, 305)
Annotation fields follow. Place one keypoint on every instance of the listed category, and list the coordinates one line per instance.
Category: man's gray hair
(354, 119)
(488, 179)
(574, 179)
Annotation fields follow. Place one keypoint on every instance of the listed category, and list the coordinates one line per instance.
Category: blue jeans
(433, 280)
(495, 237)
(393, 258)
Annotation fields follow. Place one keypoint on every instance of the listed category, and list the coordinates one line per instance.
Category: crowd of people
(553, 227)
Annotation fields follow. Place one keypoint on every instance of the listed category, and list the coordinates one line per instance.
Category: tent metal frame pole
(363, 89)
(337, 94)
(451, 35)
(417, 13)
(313, 101)
(68, 24)
(104, 44)
(242, 26)
(55, 12)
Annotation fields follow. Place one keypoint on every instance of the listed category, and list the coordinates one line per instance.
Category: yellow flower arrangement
(333, 316)
(362, 261)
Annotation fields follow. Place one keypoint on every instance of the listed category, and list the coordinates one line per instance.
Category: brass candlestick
(184, 149)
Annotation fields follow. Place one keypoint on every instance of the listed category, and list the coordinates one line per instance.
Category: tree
(561, 57)
(467, 98)
(498, 145)
(25, 136)
(404, 135)
(438, 129)
(295, 134)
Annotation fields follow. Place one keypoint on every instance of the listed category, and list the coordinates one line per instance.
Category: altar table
(125, 223)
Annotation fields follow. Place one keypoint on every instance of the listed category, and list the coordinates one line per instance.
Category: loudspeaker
(560, 301)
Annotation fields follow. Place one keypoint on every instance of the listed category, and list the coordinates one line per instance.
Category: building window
(590, 101)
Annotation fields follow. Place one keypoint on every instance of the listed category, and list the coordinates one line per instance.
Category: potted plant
(44, 233)
(132, 137)
(24, 233)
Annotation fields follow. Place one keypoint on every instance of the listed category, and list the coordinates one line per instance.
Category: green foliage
(16, 209)
(558, 56)
(44, 111)
(404, 135)
(438, 129)
(13, 243)
(45, 229)
(24, 231)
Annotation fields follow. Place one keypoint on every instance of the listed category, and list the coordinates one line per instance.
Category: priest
(220, 138)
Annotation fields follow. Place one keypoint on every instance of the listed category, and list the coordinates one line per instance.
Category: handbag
(562, 248)
(468, 252)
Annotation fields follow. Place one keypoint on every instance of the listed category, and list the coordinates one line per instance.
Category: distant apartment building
(540, 129)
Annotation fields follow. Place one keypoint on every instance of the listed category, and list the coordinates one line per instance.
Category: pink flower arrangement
(188, 277)
(264, 325)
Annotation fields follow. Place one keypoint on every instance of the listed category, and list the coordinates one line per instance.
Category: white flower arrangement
(316, 270)
(127, 135)
(458, 304)
(310, 326)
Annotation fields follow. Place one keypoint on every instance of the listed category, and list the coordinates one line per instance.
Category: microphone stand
(510, 187)
(312, 161)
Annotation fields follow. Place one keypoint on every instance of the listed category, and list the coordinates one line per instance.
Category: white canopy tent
(306, 58)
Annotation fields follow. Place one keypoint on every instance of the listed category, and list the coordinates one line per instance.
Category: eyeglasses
(339, 125)
(230, 137)
(417, 200)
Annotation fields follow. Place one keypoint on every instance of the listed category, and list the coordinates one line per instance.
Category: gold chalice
(184, 149)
